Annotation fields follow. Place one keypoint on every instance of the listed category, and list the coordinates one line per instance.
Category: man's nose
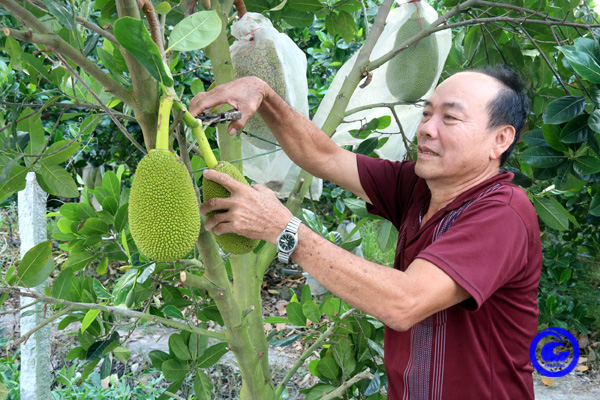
(427, 128)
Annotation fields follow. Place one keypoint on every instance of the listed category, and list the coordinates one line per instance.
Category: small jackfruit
(411, 73)
(229, 242)
(164, 217)
(259, 58)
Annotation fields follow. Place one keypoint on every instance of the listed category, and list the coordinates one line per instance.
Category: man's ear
(503, 138)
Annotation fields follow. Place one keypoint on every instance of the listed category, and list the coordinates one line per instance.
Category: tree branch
(292, 371)
(114, 310)
(336, 393)
(25, 337)
(59, 46)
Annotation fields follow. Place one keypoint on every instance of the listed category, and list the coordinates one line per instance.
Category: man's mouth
(427, 151)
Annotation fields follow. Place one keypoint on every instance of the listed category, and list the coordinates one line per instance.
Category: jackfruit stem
(162, 131)
(198, 130)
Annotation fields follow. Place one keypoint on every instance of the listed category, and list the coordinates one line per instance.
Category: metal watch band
(292, 227)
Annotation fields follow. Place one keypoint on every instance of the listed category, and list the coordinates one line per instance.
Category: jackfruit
(259, 58)
(164, 217)
(411, 73)
(229, 242)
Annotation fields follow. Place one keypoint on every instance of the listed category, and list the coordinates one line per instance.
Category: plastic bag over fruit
(260, 50)
(409, 76)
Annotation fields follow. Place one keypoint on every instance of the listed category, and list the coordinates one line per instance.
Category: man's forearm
(299, 137)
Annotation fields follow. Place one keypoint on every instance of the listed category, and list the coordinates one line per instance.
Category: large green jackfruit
(259, 58)
(229, 242)
(164, 217)
(411, 73)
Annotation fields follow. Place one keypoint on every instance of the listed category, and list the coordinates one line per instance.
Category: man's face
(454, 142)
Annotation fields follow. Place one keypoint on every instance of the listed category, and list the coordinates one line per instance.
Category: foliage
(79, 96)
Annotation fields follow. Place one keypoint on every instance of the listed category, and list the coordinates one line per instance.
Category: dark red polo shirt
(488, 241)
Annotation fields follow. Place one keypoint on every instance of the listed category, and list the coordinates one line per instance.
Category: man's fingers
(224, 180)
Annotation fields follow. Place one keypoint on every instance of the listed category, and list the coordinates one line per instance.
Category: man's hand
(244, 94)
(251, 211)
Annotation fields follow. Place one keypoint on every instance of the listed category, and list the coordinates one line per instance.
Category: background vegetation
(50, 114)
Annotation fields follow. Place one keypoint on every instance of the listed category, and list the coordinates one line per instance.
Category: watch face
(287, 241)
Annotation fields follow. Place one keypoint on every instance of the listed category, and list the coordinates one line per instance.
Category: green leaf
(65, 149)
(202, 386)
(77, 352)
(33, 125)
(298, 19)
(212, 355)
(122, 353)
(94, 226)
(178, 347)
(358, 207)
(112, 184)
(110, 204)
(576, 130)
(64, 16)
(36, 63)
(85, 211)
(387, 237)
(542, 157)
(595, 205)
(172, 311)
(122, 217)
(69, 211)
(15, 182)
(345, 25)
(587, 165)
(163, 8)
(311, 310)
(57, 181)
(367, 146)
(552, 136)
(36, 265)
(174, 370)
(197, 345)
(305, 5)
(133, 36)
(90, 317)
(583, 63)
(99, 289)
(195, 32)
(343, 353)
(564, 109)
(295, 314)
(318, 391)
(62, 287)
(157, 358)
(328, 368)
(79, 260)
(551, 213)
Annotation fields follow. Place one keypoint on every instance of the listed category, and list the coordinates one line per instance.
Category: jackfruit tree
(131, 239)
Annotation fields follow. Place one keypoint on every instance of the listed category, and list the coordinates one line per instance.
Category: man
(460, 306)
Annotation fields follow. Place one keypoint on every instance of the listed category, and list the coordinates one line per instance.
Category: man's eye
(450, 117)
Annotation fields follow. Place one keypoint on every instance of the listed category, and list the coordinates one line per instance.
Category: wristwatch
(287, 241)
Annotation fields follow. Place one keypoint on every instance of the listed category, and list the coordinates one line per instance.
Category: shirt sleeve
(483, 250)
(388, 184)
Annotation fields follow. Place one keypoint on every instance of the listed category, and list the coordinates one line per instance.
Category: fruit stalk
(198, 130)
(162, 131)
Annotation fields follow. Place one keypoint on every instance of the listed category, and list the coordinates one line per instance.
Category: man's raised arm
(309, 147)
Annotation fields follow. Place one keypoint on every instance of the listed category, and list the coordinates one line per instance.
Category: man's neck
(443, 192)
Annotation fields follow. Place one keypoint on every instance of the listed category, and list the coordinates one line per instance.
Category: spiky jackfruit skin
(259, 58)
(164, 217)
(229, 242)
(411, 73)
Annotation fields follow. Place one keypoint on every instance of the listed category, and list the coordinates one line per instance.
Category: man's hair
(510, 106)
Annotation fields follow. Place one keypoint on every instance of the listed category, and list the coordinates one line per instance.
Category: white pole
(35, 377)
